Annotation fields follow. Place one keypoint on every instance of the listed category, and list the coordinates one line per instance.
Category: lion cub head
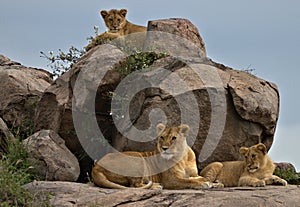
(255, 157)
(114, 19)
(172, 141)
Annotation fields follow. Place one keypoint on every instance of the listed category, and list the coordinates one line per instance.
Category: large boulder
(76, 194)
(20, 90)
(225, 108)
(54, 111)
(52, 160)
(242, 113)
(167, 31)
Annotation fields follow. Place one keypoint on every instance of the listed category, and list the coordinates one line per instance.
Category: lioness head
(254, 157)
(172, 141)
(114, 19)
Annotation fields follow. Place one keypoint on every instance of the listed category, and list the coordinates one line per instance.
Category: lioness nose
(164, 148)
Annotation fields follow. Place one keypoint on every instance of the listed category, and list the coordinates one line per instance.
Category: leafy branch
(61, 62)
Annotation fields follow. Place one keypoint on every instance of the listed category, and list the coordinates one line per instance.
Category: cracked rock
(76, 194)
(51, 158)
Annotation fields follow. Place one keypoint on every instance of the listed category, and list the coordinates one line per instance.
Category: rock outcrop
(225, 108)
(20, 90)
(75, 194)
(168, 31)
(52, 160)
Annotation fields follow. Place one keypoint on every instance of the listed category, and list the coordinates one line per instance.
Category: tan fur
(171, 149)
(115, 21)
(255, 170)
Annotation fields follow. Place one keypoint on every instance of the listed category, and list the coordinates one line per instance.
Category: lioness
(172, 164)
(255, 170)
(117, 25)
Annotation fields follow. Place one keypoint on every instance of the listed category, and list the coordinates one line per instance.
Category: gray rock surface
(51, 158)
(20, 90)
(167, 35)
(231, 114)
(74, 194)
(255, 100)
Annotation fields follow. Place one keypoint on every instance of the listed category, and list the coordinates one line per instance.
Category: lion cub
(117, 25)
(255, 170)
(172, 165)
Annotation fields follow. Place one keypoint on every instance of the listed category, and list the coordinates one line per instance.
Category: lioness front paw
(156, 186)
(204, 185)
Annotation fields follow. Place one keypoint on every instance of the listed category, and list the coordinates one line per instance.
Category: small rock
(285, 166)
(5, 61)
(51, 157)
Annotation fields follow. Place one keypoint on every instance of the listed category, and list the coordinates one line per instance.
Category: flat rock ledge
(77, 194)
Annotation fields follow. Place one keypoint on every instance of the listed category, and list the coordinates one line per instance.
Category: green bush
(63, 61)
(16, 171)
(138, 61)
(289, 175)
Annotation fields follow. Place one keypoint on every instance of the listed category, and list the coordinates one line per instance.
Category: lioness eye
(119, 20)
(110, 19)
(253, 156)
(173, 138)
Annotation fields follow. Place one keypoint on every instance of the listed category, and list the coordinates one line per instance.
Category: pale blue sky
(261, 34)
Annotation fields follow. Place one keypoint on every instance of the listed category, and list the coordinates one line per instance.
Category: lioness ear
(104, 13)
(262, 148)
(123, 12)
(244, 150)
(160, 128)
(184, 129)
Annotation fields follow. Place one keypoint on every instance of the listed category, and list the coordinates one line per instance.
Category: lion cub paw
(217, 185)
(280, 181)
(259, 183)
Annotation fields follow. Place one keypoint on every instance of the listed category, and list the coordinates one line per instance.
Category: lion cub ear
(243, 150)
(184, 129)
(262, 148)
(123, 12)
(104, 13)
(160, 128)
